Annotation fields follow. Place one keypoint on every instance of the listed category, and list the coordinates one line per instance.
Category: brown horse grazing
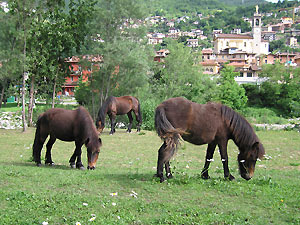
(119, 106)
(213, 124)
(67, 125)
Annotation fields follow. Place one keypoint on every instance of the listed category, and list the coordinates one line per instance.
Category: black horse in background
(213, 124)
(114, 106)
(67, 125)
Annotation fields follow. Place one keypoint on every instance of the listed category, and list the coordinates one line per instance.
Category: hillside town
(247, 52)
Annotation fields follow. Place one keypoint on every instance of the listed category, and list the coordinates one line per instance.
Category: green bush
(148, 108)
(262, 115)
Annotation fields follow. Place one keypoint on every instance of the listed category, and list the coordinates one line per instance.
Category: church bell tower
(256, 32)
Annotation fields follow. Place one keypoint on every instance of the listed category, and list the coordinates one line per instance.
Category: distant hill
(242, 2)
(179, 7)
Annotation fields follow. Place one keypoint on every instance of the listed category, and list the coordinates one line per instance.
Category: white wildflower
(85, 204)
(92, 219)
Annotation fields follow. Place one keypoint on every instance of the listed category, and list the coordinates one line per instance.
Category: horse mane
(242, 132)
(103, 109)
(87, 122)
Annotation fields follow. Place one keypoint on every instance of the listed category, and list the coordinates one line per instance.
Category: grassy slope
(31, 195)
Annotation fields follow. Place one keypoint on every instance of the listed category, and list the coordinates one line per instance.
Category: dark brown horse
(67, 125)
(213, 124)
(114, 106)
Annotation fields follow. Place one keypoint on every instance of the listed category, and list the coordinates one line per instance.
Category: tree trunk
(24, 73)
(1, 98)
(54, 93)
(107, 87)
(93, 98)
(23, 98)
(31, 101)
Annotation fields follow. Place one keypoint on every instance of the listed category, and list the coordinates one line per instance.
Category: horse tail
(37, 138)
(103, 110)
(139, 112)
(166, 131)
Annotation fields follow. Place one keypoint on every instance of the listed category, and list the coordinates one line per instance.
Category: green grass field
(122, 189)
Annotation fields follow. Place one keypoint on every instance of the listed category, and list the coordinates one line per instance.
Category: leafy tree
(277, 44)
(9, 56)
(125, 55)
(56, 34)
(180, 75)
(229, 92)
(281, 90)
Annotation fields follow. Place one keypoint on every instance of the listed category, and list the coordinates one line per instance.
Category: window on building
(211, 70)
(266, 61)
(245, 44)
(249, 74)
(257, 22)
(227, 43)
(241, 74)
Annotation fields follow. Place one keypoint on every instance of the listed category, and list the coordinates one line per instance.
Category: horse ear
(100, 141)
(255, 145)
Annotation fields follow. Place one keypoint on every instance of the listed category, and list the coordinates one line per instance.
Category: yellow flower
(93, 218)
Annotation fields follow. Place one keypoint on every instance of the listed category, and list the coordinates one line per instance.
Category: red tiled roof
(234, 36)
(207, 51)
(237, 64)
(209, 63)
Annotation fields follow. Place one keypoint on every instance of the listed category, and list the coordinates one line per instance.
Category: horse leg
(130, 122)
(48, 152)
(209, 156)
(139, 122)
(112, 118)
(224, 158)
(78, 151)
(168, 170)
(39, 141)
(72, 160)
(164, 154)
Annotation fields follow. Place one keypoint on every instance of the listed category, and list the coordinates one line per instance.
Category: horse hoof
(73, 166)
(162, 179)
(231, 177)
(205, 177)
(39, 164)
(50, 164)
(82, 168)
(169, 176)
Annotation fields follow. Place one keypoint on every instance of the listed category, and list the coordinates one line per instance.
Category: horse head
(99, 125)
(93, 149)
(247, 159)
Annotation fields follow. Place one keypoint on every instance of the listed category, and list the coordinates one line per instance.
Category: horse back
(125, 104)
(60, 123)
(201, 122)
